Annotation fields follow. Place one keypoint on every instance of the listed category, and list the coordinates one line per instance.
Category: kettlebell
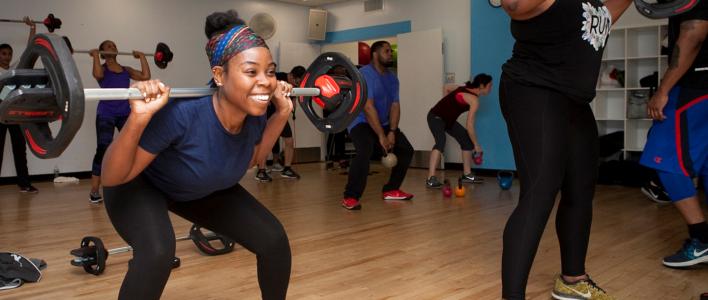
(389, 160)
(447, 190)
(477, 157)
(505, 179)
(460, 189)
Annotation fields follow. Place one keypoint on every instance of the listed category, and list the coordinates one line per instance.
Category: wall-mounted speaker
(317, 25)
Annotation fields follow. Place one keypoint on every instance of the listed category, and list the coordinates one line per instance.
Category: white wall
(305, 134)
(135, 24)
(453, 17)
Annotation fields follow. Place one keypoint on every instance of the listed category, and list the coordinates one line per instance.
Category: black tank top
(561, 48)
(450, 107)
(697, 74)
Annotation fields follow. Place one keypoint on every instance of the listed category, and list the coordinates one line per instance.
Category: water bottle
(56, 171)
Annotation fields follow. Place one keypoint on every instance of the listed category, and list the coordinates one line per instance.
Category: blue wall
(367, 33)
(491, 47)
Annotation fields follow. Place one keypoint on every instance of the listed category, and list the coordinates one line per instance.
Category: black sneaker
(95, 197)
(656, 193)
(262, 176)
(289, 173)
(433, 183)
(471, 178)
(29, 189)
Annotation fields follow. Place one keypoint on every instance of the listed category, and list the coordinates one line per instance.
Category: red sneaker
(397, 195)
(351, 203)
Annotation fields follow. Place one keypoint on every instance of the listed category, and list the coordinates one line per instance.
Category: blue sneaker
(692, 253)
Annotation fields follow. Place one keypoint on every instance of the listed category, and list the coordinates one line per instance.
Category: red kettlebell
(477, 157)
(460, 189)
(447, 190)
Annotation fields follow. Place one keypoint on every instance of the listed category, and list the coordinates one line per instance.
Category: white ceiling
(312, 2)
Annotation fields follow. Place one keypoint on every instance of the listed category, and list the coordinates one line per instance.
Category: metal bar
(133, 93)
(180, 238)
(115, 53)
(19, 21)
(120, 250)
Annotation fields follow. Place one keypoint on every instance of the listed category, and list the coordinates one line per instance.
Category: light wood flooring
(428, 248)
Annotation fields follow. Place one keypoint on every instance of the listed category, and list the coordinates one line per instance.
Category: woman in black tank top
(442, 118)
(545, 91)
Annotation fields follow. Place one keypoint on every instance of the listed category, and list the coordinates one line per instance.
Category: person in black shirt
(19, 150)
(283, 166)
(545, 91)
(677, 144)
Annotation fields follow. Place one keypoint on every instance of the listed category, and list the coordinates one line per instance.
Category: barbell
(162, 55)
(55, 93)
(659, 9)
(92, 254)
(51, 22)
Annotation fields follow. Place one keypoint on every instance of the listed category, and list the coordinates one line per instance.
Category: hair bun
(221, 21)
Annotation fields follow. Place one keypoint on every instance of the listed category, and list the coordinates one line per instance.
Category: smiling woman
(172, 157)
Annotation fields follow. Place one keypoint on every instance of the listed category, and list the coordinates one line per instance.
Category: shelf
(643, 57)
(637, 51)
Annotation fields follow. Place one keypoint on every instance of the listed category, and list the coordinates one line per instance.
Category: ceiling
(311, 3)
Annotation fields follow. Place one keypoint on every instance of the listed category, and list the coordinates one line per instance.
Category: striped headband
(224, 46)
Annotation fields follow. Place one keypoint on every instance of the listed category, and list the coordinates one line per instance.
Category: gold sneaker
(582, 290)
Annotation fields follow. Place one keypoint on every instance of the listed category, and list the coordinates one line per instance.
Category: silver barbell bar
(133, 93)
(111, 52)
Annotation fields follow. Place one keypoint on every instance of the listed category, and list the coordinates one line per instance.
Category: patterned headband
(224, 46)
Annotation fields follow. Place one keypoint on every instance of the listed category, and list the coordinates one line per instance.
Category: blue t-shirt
(382, 89)
(196, 156)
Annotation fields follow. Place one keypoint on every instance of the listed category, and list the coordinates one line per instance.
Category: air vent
(373, 5)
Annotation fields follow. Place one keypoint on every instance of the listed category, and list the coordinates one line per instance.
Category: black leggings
(365, 139)
(138, 211)
(555, 147)
(19, 152)
(105, 127)
(457, 131)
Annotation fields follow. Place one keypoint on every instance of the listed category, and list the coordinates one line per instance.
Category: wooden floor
(430, 248)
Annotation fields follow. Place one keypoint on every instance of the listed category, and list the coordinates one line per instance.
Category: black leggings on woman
(138, 211)
(457, 131)
(555, 147)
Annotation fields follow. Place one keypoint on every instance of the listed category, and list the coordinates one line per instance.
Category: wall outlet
(449, 77)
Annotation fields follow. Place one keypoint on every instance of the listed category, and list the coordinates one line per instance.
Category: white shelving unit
(637, 50)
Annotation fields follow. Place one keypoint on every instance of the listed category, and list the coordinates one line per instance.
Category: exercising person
(17, 140)
(377, 126)
(442, 118)
(187, 157)
(286, 171)
(111, 114)
(677, 144)
(545, 91)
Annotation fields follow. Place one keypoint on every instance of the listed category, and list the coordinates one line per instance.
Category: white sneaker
(277, 167)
